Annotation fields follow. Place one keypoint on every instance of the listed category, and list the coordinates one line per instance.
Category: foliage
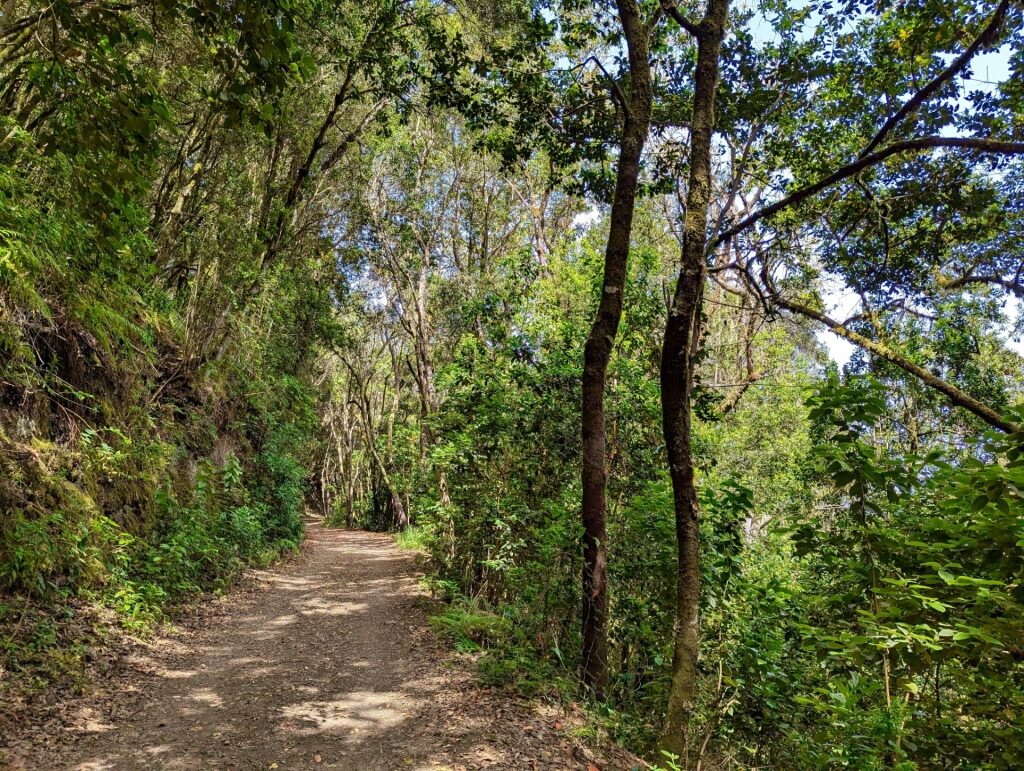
(143, 457)
(262, 259)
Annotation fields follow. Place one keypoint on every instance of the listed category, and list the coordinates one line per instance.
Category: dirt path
(330, 664)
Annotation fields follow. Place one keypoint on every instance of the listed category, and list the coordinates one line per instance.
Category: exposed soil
(328, 662)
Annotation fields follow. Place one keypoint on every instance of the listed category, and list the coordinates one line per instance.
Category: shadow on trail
(328, 667)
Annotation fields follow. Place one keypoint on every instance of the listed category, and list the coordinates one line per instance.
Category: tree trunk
(682, 335)
(598, 349)
(345, 461)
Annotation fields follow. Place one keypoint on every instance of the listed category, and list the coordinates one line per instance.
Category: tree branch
(613, 85)
(1013, 286)
(976, 144)
(954, 394)
(988, 35)
(733, 401)
(672, 10)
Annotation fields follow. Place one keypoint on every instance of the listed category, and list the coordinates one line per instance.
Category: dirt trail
(330, 664)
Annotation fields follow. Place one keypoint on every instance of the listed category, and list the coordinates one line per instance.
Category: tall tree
(700, 240)
(679, 350)
(635, 104)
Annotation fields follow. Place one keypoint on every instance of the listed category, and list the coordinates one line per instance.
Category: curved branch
(617, 96)
(672, 10)
(976, 144)
(954, 394)
(1013, 286)
(733, 401)
(988, 35)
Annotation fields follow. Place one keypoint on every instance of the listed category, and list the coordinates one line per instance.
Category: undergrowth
(503, 653)
(413, 538)
(117, 527)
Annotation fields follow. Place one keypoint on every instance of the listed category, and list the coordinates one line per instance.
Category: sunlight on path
(331, 665)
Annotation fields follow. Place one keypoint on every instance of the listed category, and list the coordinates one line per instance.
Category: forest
(679, 338)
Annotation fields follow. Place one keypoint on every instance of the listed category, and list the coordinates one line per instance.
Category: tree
(683, 337)
(679, 349)
(636, 106)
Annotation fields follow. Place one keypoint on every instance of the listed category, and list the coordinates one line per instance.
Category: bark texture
(682, 336)
(636, 108)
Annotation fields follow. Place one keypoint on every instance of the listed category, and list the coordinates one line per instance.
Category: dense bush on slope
(157, 406)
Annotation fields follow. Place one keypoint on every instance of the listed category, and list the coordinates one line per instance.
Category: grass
(413, 538)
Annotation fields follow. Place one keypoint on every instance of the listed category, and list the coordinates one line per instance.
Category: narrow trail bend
(329, 664)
